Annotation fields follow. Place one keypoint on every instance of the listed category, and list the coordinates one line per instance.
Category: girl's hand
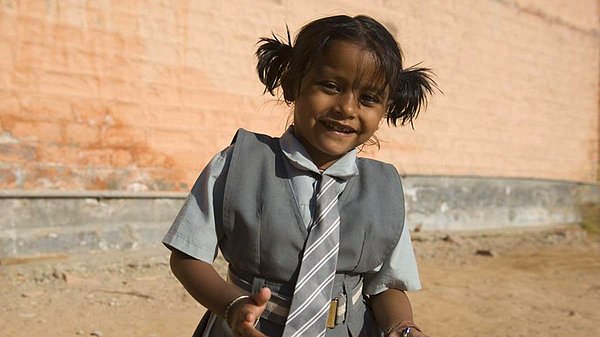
(244, 314)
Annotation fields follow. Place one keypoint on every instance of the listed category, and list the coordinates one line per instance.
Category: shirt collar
(343, 168)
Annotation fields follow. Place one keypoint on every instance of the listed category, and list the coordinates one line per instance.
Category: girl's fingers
(243, 330)
(253, 315)
(262, 297)
(247, 330)
(249, 313)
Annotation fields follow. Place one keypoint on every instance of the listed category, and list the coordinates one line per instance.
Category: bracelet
(406, 327)
(231, 304)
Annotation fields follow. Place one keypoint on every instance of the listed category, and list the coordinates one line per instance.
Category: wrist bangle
(231, 304)
(405, 327)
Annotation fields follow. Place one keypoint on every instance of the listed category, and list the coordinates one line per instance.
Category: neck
(320, 159)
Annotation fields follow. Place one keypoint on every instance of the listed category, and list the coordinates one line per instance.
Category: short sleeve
(399, 271)
(197, 227)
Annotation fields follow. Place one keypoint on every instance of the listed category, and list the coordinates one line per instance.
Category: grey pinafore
(264, 235)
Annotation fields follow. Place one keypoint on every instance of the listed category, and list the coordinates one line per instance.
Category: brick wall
(139, 95)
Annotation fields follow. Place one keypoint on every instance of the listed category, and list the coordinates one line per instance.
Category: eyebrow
(374, 76)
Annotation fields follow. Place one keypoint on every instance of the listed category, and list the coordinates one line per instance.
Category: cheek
(301, 117)
(306, 110)
(374, 122)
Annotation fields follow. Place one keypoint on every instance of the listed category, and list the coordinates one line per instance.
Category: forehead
(351, 60)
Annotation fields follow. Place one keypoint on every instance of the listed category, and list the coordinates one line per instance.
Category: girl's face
(340, 103)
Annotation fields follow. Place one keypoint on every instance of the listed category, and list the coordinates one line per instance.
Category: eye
(369, 99)
(330, 87)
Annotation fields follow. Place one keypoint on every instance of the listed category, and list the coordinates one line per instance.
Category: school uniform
(255, 200)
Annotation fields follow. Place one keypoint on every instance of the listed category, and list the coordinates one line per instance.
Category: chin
(336, 153)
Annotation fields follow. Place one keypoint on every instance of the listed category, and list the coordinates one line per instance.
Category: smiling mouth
(338, 127)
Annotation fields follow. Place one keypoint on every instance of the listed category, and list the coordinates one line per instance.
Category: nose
(347, 104)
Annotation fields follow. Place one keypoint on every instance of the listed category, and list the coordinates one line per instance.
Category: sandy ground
(520, 283)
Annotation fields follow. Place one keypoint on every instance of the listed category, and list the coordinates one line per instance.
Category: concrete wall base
(461, 203)
(48, 222)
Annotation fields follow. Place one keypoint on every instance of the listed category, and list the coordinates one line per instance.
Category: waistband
(281, 298)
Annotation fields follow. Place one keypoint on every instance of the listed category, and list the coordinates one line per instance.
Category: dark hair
(281, 64)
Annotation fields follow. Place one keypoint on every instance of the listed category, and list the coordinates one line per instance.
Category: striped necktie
(312, 294)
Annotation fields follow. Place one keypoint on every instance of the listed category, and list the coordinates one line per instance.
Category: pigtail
(414, 84)
(273, 59)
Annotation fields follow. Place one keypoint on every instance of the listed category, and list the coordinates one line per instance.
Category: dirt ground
(518, 283)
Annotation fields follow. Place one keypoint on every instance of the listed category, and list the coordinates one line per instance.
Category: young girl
(314, 236)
